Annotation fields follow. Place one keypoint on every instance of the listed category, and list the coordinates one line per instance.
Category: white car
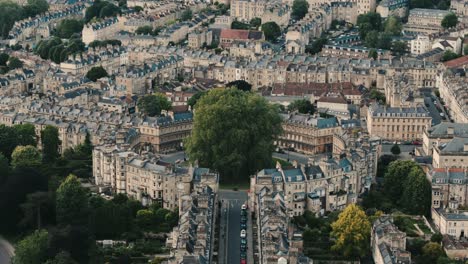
(244, 207)
(243, 234)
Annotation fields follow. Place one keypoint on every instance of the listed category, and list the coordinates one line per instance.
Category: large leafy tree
(351, 232)
(62, 257)
(71, 202)
(369, 22)
(393, 26)
(96, 73)
(36, 203)
(35, 7)
(449, 21)
(233, 133)
(26, 134)
(15, 63)
(395, 149)
(4, 168)
(186, 15)
(416, 197)
(194, 99)
(67, 27)
(240, 84)
(26, 156)
(303, 106)
(299, 9)
(395, 178)
(50, 143)
(4, 59)
(32, 249)
(271, 30)
(153, 104)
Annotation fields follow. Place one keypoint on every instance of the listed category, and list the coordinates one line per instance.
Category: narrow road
(7, 251)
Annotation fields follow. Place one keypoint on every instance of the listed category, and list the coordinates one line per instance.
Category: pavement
(7, 251)
(229, 248)
(405, 149)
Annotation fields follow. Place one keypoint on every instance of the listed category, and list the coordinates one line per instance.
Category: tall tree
(4, 168)
(96, 73)
(271, 30)
(153, 104)
(351, 232)
(63, 257)
(25, 156)
(299, 9)
(255, 22)
(240, 84)
(32, 249)
(71, 202)
(26, 134)
(194, 99)
(233, 133)
(395, 178)
(4, 59)
(393, 26)
(416, 197)
(303, 106)
(395, 150)
(67, 27)
(50, 143)
(144, 30)
(449, 21)
(36, 203)
(186, 15)
(15, 63)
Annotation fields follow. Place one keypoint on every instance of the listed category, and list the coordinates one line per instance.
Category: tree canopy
(96, 73)
(50, 143)
(240, 84)
(26, 156)
(303, 106)
(395, 149)
(393, 26)
(351, 232)
(71, 202)
(32, 249)
(58, 51)
(233, 133)
(194, 99)
(186, 15)
(153, 104)
(15, 63)
(271, 30)
(67, 27)
(101, 9)
(449, 21)
(316, 46)
(449, 55)
(417, 193)
(299, 9)
(255, 22)
(395, 178)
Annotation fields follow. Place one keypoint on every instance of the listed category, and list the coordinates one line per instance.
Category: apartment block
(388, 243)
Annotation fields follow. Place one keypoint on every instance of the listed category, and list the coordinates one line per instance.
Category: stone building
(388, 243)
(453, 91)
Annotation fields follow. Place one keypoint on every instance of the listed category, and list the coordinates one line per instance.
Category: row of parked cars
(243, 234)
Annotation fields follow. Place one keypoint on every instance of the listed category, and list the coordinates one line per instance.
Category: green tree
(145, 30)
(385, 41)
(373, 54)
(241, 85)
(316, 46)
(10, 12)
(395, 178)
(145, 219)
(96, 73)
(303, 106)
(153, 104)
(372, 39)
(465, 50)
(50, 144)
(25, 156)
(255, 22)
(271, 30)
(377, 95)
(194, 99)
(432, 251)
(369, 22)
(67, 27)
(399, 47)
(393, 26)
(299, 9)
(137, 9)
(4, 168)
(32, 249)
(351, 232)
(186, 15)
(449, 21)
(233, 133)
(395, 150)
(25, 134)
(15, 63)
(4, 59)
(437, 237)
(35, 203)
(71, 202)
(416, 196)
(449, 55)
(63, 257)
(35, 7)
(239, 25)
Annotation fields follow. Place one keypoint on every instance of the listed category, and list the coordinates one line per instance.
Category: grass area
(406, 224)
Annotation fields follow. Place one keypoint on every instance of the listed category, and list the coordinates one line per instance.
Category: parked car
(243, 247)
(243, 261)
(244, 213)
(243, 234)
(243, 255)
(243, 226)
(243, 241)
(244, 207)
(243, 219)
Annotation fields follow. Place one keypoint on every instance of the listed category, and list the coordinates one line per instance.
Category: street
(6, 252)
(231, 211)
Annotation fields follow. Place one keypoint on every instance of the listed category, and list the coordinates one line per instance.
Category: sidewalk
(222, 236)
(250, 249)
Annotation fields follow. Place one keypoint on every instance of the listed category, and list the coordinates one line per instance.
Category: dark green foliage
(26, 134)
(186, 15)
(430, 4)
(71, 202)
(369, 22)
(4, 168)
(303, 106)
(416, 197)
(395, 149)
(50, 144)
(233, 133)
(145, 30)
(241, 85)
(35, 7)
(395, 178)
(137, 9)
(437, 237)
(377, 95)
(449, 21)
(62, 257)
(9, 13)
(35, 209)
(193, 100)
(67, 27)
(393, 26)
(15, 63)
(74, 239)
(255, 22)
(449, 55)
(96, 73)
(101, 9)
(153, 104)
(239, 25)
(32, 249)
(58, 51)
(4, 59)
(316, 46)
(372, 54)
(271, 30)
(299, 9)
(399, 47)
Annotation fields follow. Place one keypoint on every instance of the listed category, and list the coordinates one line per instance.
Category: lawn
(406, 224)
